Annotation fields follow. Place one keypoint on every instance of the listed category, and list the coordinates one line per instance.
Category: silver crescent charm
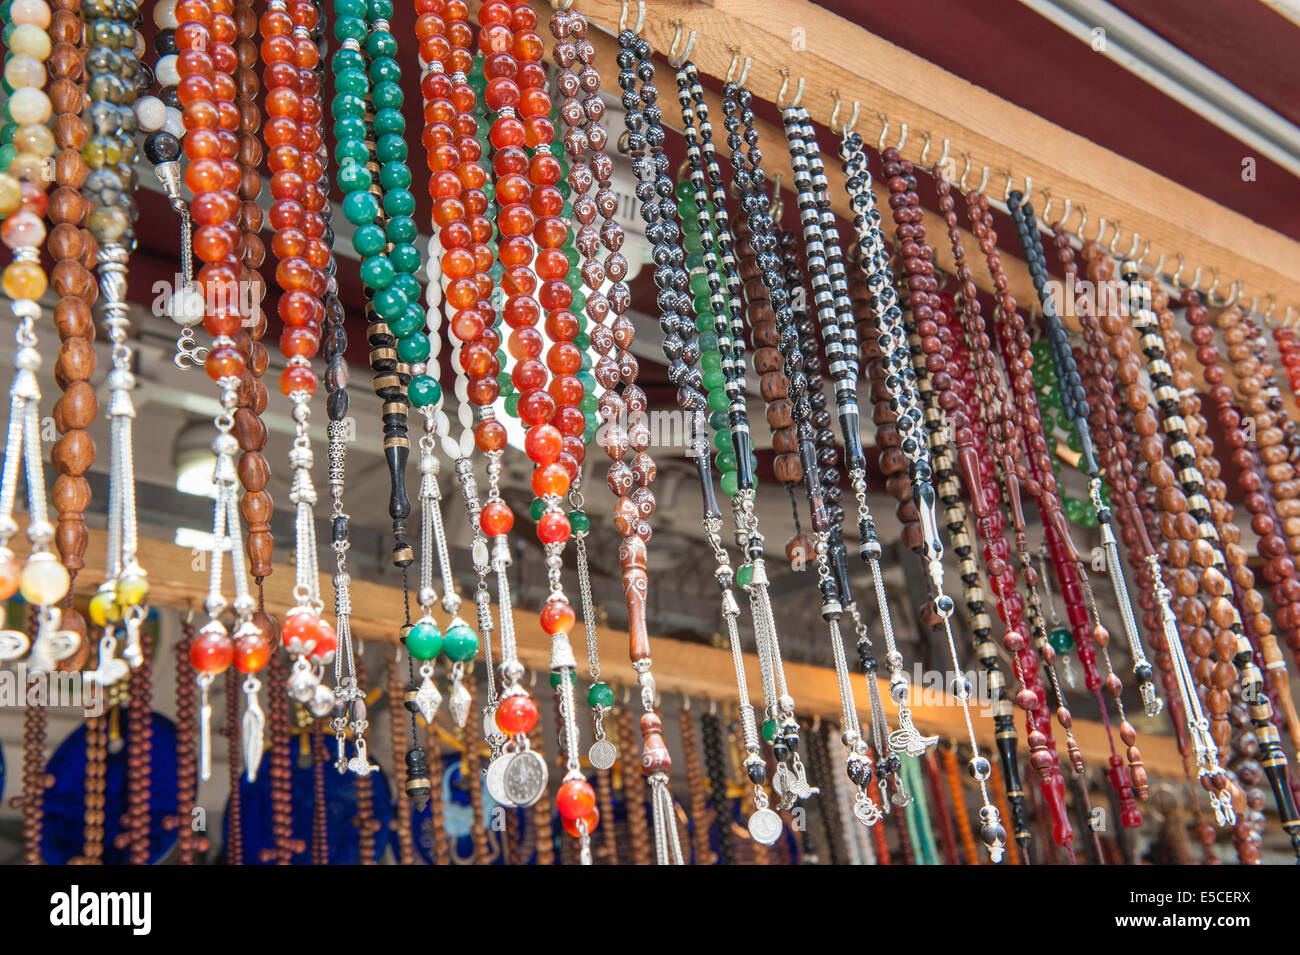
(525, 778)
(495, 779)
(765, 827)
(14, 645)
(603, 754)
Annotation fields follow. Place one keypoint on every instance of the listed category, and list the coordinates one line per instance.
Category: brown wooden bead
(73, 453)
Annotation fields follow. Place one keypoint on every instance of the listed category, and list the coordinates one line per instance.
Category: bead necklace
(71, 246)
(43, 581)
(1076, 408)
(526, 188)
(187, 771)
(207, 62)
(1251, 477)
(1006, 434)
(748, 184)
(585, 145)
(928, 328)
(644, 143)
(1214, 579)
(719, 315)
(711, 734)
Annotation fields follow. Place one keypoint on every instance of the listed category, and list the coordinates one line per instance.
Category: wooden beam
(833, 55)
(178, 579)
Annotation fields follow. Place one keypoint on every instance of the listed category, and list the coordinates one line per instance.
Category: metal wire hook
(853, 119)
(640, 17)
(1209, 293)
(785, 87)
(731, 70)
(925, 150)
(964, 173)
(1236, 289)
(678, 60)
(1114, 241)
(1083, 221)
(1177, 277)
(984, 180)
(1158, 271)
(884, 129)
(902, 140)
(1132, 250)
(943, 159)
(1006, 193)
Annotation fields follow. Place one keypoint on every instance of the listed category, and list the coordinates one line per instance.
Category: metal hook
(1272, 304)
(1114, 241)
(1254, 305)
(1083, 221)
(1132, 251)
(678, 60)
(1286, 320)
(1101, 229)
(1146, 250)
(640, 17)
(1006, 193)
(925, 150)
(785, 86)
(902, 140)
(964, 173)
(1237, 287)
(731, 70)
(943, 159)
(1177, 277)
(984, 180)
(884, 129)
(1209, 294)
(1196, 279)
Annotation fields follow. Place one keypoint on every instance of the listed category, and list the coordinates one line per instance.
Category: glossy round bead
(300, 631)
(131, 591)
(600, 694)
(211, 652)
(44, 580)
(104, 609)
(575, 799)
(496, 519)
(10, 572)
(251, 651)
(543, 443)
(460, 644)
(424, 641)
(553, 528)
(516, 715)
(557, 616)
(588, 822)
(424, 390)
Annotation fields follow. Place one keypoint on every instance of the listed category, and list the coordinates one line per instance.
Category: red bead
(553, 528)
(575, 798)
(516, 715)
(590, 822)
(300, 631)
(550, 479)
(557, 616)
(543, 443)
(251, 652)
(297, 378)
(211, 652)
(496, 519)
(490, 436)
(327, 641)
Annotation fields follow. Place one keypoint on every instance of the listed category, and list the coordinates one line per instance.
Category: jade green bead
(409, 321)
(730, 483)
(405, 258)
(460, 644)
(579, 523)
(710, 360)
(353, 176)
(704, 321)
(721, 437)
(512, 405)
(348, 104)
(350, 8)
(409, 285)
(350, 127)
(352, 81)
(347, 60)
(600, 694)
(423, 391)
(424, 640)
(745, 574)
(726, 460)
(504, 384)
(399, 202)
(1062, 640)
(351, 150)
(391, 148)
(401, 229)
(369, 240)
(381, 44)
(350, 28)
(718, 400)
(413, 348)
(718, 420)
(377, 272)
(389, 304)
(360, 208)
(384, 69)
(537, 509)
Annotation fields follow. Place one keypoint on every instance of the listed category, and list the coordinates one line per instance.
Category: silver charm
(765, 827)
(603, 754)
(14, 645)
(460, 701)
(524, 778)
(360, 763)
(907, 739)
(494, 778)
(254, 724)
(110, 668)
(864, 810)
(427, 697)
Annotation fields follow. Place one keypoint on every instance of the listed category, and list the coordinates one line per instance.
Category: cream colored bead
(31, 40)
(35, 139)
(30, 11)
(22, 71)
(30, 105)
(164, 15)
(44, 580)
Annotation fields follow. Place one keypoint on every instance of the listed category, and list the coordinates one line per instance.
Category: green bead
(589, 432)
(389, 304)
(352, 81)
(721, 439)
(600, 694)
(512, 405)
(349, 8)
(685, 190)
(347, 60)
(579, 523)
(369, 240)
(718, 400)
(401, 229)
(391, 148)
(714, 379)
(1062, 640)
(360, 208)
(423, 391)
(582, 342)
(409, 320)
(589, 404)
(377, 272)
(769, 730)
(384, 69)
(349, 28)
(1088, 516)
(1072, 442)
(381, 44)
(708, 341)
(389, 121)
(379, 10)
(744, 575)
(348, 104)
(726, 460)
(700, 283)
(399, 202)
(405, 258)
(460, 644)
(693, 244)
(704, 321)
(395, 175)
(718, 421)
(537, 509)
(730, 484)
(579, 302)
(424, 640)
(351, 150)
(409, 285)
(558, 678)
(413, 348)
(504, 384)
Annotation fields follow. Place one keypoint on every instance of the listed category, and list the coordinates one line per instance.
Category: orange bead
(496, 519)
(297, 378)
(224, 362)
(488, 436)
(550, 479)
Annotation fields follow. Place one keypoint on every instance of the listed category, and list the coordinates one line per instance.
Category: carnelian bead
(484, 391)
(211, 243)
(519, 280)
(589, 823)
(529, 375)
(551, 264)
(475, 359)
(297, 378)
(211, 652)
(521, 310)
(564, 358)
(575, 799)
(327, 641)
(551, 232)
(555, 294)
(224, 362)
(300, 631)
(569, 419)
(557, 616)
(566, 390)
(543, 443)
(467, 325)
(544, 170)
(516, 219)
(294, 273)
(227, 324)
(490, 436)
(251, 652)
(517, 714)
(574, 448)
(525, 343)
(516, 250)
(536, 407)
(570, 465)
(496, 519)
(553, 528)
(550, 479)
(561, 325)
(296, 342)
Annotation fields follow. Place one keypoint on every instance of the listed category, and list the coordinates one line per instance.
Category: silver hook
(1158, 271)
(1272, 304)
(1196, 279)
(1237, 287)
(640, 17)
(785, 87)
(1029, 187)
(884, 129)
(1254, 305)
(731, 70)
(1083, 221)
(1177, 277)
(1101, 230)
(1114, 241)
(1137, 237)
(964, 173)
(678, 60)
(902, 140)
(943, 159)
(925, 150)
(1286, 321)
(984, 180)
(1209, 293)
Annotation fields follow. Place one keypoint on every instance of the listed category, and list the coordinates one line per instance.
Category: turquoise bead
(409, 285)
(401, 229)
(424, 640)
(377, 272)
(389, 304)
(384, 69)
(405, 258)
(351, 150)
(413, 348)
(350, 127)
(718, 400)
(730, 483)
(347, 60)
(352, 81)
(399, 202)
(381, 44)
(424, 390)
(600, 694)
(389, 121)
(353, 176)
(349, 28)
(395, 175)
(391, 148)
(360, 208)
(369, 240)
(460, 644)
(407, 322)
(348, 104)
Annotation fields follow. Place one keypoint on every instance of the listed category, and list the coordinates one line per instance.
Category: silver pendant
(908, 739)
(254, 725)
(494, 778)
(459, 703)
(525, 778)
(110, 668)
(14, 645)
(427, 697)
(765, 827)
(864, 810)
(603, 754)
(360, 763)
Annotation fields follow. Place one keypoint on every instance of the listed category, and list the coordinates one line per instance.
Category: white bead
(432, 268)
(164, 15)
(150, 114)
(167, 71)
(435, 345)
(433, 294)
(175, 122)
(44, 580)
(185, 307)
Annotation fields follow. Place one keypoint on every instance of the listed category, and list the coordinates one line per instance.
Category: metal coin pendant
(765, 827)
(603, 754)
(525, 778)
(495, 779)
